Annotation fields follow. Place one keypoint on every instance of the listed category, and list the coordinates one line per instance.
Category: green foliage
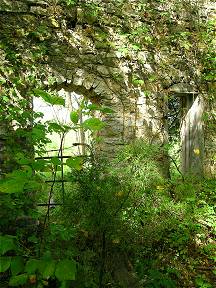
(7, 244)
(17, 265)
(120, 217)
(74, 116)
(93, 124)
(51, 99)
(4, 263)
(65, 270)
(18, 280)
(75, 162)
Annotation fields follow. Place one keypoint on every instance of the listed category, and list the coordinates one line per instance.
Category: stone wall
(89, 54)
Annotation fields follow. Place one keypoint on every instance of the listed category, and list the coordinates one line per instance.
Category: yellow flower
(160, 188)
(196, 151)
(119, 194)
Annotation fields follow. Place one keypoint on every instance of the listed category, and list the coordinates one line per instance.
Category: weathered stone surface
(103, 65)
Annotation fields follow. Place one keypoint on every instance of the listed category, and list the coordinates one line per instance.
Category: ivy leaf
(75, 162)
(18, 280)
(65, 270)
(93, 124)
(74, 116)
(7, 244)
(53, 100)
(4, 263)
(17, 265)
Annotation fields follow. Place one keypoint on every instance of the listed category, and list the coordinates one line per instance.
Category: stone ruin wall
(90, 66)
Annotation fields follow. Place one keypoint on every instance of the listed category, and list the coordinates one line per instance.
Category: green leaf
(65, 270)
(74, 116)
(93, 124)
(55, 127)
(53, 100)
(39, 164)
(4, 263)
(103, 109)
(18, 280)
(32, 185)
(106, 110)
(32, 265)
(75, 162)
(48, 269)
(21, 159)
(7, 244)
(93, 107)
(38, 133)
(12, 186)
(56, 161)
(17, 265)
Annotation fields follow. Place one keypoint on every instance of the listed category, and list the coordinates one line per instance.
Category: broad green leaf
(48, 268)
(21, 159)
(18, 280)
(57, 100)
(32, 265)
(93, 124)
(93, 107)
(106, 110)
(39, 164)
(4, 263)
(43, 94)
(12, 186)
(74, 116)
(51, 99)
(65, 270)
(6, 244)
(17, 265)
(75, 162)
(103, 109)
(55, 127)
(56, 161)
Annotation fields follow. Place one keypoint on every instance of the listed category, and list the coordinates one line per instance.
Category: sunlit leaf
(12, 186)
(74, 116)
(75, 162)
(56, 161)
(55, 127)
(93, 124)
(51, 99)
